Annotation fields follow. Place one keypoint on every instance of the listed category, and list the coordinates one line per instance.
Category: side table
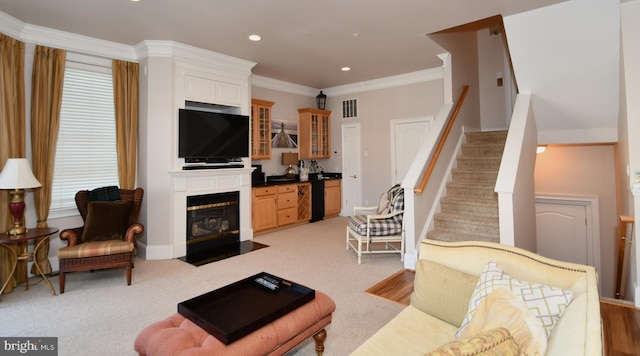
(25, 255)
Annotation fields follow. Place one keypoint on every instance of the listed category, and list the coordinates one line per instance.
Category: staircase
(469, 211)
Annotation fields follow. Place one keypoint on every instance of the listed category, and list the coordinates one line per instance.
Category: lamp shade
(17, 174)
(290, 158)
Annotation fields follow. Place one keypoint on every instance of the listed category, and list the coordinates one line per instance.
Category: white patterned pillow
(546, 303)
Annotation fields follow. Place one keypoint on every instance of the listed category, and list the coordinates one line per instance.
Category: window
(86, 155)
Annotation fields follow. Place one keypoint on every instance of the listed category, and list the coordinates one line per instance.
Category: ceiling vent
(350, 109)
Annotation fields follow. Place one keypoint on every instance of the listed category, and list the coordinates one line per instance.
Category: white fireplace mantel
(207, 181)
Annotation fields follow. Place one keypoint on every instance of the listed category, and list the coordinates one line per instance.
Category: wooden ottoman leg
(319, 337)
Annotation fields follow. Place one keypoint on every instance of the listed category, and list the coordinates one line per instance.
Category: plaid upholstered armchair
(379, 228)
(107, 239)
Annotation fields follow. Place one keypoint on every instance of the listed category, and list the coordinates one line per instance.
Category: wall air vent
(350, 109)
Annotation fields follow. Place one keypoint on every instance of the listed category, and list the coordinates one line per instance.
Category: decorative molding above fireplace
(207, 181)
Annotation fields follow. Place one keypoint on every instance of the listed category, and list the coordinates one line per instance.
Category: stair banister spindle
(432, 163)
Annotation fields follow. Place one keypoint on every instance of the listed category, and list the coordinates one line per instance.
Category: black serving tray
(233, 311)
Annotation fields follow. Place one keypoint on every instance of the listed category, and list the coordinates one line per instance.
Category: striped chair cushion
(379, 227)
(96, 248)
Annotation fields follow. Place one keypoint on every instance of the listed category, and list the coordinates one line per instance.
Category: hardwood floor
(620, 322)
(621, 326)
(397, 288)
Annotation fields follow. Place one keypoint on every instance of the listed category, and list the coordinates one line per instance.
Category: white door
(562, 232)
(407, 137)
(351, 163)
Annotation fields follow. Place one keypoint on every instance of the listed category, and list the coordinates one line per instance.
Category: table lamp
(290, 159)
(17, 176)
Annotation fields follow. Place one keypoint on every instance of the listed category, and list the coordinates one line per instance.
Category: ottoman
(177, 335)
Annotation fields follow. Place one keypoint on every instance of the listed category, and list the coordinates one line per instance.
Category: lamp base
(17, 231)
(290, 173)
(16, 206)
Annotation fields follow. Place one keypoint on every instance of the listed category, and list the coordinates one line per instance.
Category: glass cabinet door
(314, 133)
(261, 129)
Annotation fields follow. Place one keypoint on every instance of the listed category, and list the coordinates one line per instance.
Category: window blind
(86, 155)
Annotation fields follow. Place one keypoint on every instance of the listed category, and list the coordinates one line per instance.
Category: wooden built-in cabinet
(314, 133)
(280, 205)
(261, 129)
(287, 204)
(304, 201)
(332, 197)
(264, 207)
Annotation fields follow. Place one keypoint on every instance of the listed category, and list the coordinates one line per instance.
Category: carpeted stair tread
(471, 190)
(483, 150)
(480, 207)
(470, 219)
(480, 163)
(470, 175)
(470, 185)
(449, 236)
(486, 137)
(467, 227)
(485, 202)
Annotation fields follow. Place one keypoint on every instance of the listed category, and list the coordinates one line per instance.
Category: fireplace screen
(212, 221)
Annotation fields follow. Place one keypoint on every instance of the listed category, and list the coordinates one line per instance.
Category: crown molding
(387, 82)
(77, 43)
(11, 26)
(154, 48)
(354, 88)
(64, 40)
(279, 85)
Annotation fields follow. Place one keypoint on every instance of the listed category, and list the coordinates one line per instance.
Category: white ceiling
(304, 42)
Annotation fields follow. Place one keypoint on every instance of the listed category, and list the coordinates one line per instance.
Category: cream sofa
(578, 331)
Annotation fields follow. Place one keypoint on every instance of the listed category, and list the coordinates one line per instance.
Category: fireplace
(213, 220)
(204, 182)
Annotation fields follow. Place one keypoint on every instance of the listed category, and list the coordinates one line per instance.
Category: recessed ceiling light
(345, 69)
(134, 0)
(255, 38)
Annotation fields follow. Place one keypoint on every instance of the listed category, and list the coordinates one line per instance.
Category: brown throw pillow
(107, 220)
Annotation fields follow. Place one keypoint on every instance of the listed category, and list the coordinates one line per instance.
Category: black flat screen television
(205, 136)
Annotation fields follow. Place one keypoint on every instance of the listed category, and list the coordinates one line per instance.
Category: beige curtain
(46, 99)
(125, 92)
(12, 139)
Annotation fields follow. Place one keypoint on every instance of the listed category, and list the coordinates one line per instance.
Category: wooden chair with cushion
(107, 239)
(379, 228)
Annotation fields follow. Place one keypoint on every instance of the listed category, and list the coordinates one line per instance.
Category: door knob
(354, 176)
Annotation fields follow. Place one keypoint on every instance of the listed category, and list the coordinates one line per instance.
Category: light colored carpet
(100, 315)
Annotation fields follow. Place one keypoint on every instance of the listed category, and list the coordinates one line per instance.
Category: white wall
(630, 12)
(376, 108)
(156, 132)
(491, 62)
(567, 56)
(587, 171)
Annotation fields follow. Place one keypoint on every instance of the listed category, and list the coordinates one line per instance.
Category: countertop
(280, 180)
